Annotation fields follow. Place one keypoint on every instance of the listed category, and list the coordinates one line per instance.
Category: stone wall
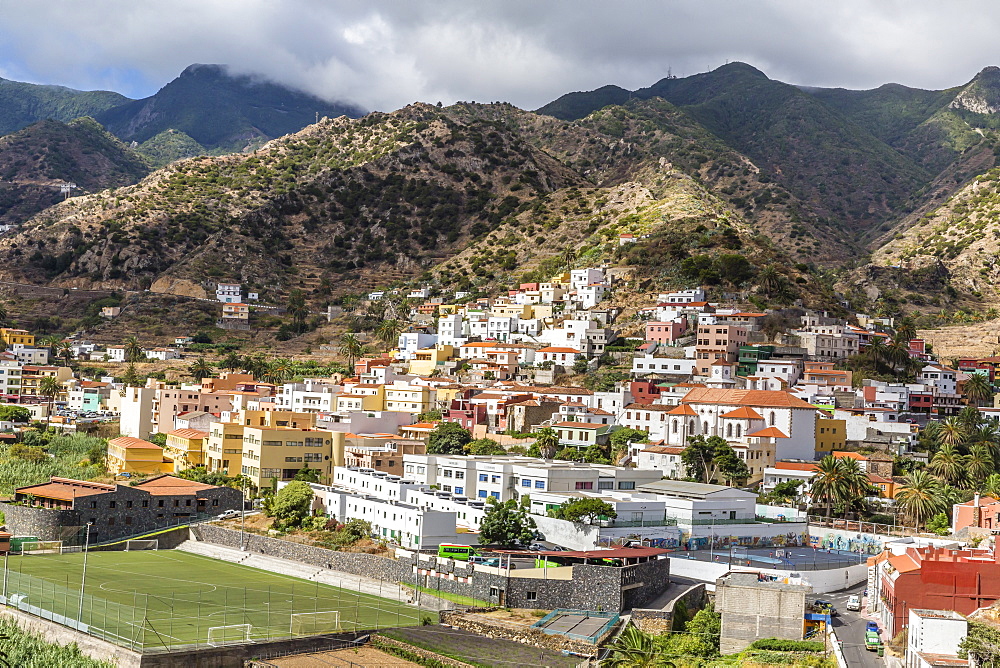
(365, 565)
(493, 628)
(661, 621)
(380, 641)
(45, 523)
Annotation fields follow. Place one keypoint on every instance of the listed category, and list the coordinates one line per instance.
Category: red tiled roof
(743, 413)
(188, 433)
(770, 432)
(129, 442)
(764, 398)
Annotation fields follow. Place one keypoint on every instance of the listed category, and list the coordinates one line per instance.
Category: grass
(454, 598)
(157, 599)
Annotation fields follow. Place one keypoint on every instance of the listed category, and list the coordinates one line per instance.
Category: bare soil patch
(369, 657)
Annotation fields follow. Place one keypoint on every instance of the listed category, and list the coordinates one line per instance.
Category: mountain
(23, 104)
(219, 110)
(845, 175)
(36, 160)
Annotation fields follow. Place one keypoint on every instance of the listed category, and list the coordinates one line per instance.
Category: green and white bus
(457, 552)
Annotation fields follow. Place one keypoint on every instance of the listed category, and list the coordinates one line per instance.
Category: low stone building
(60, 508)
(752, 608)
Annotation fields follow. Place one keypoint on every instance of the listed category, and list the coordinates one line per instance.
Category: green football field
(160, 599)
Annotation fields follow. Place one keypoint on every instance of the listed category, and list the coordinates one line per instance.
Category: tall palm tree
(906, 329)
(298, 310)
(133, 350)
(351, 348)
(769, 280)
(231, 362)
(279, 371)
(857, 487)
(49, 387)
(978, 389)
(388, 332)
(256, 365)
(978, 464)
(201, 369)
(920, 498)
(547, 441)
(876, 352)
(948, 464)
(970, 418)
(829, 485)
(64, 349)
(952, 432)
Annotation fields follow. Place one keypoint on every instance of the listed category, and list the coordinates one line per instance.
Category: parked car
(854, 602)
(819, 603)
(871, 626)
(872, 641)
(228, 514)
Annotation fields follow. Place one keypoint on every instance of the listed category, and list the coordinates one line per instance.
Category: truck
(872, 641)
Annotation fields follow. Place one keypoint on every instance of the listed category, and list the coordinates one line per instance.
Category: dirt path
(369, 657)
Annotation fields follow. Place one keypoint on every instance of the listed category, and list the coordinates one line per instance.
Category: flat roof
(684, 488)
(613, 553)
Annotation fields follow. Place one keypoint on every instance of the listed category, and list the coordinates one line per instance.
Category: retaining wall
(526, 635)
(662, 621)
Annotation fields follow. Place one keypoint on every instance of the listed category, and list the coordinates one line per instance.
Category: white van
(854, 602)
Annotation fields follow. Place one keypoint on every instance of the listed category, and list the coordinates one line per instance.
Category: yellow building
(831, 435)
(280, 452)
(186, 447)
(358, 401)
(134, 455)
(405, 398)
(540, 311)
(16, 337)
(522, 311)
(447, 309)
(224, 450)
(425, 361)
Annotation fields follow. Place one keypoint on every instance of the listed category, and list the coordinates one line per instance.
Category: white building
(228, 293)
(580, 278)
(663, 458)
(10, 376)
(829, 342)
(31, 355)
(452, 330)
(672, 366)
(788, 370)
(115, 353)
(136, 410)
(802, 472)
(411, 342)
(162, 354)
(683, 296)
(310, 396)
(943, 379)
(933, 636)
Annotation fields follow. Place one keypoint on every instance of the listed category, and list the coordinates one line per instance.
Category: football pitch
(157, 600)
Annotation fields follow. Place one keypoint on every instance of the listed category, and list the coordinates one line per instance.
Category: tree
(939, 524)
(706, 623)
(584, 510)
(133, 350)
(635, 649)
(292, 504)
(484, 446)
(49, 387)
(507, 523)
(11, 413)
(981, 644)
(131, 377)
(952, 432)
(978, 465)
(991, 486)
(231, 362)
(448, 438)
(948, 465)
(277, 372)
(429, 416)
(829, 485)
(547, 442)
(306, 474)
(351, 348)
(595, 454)
(580, 366)
(201, 369)
(388, 332)
(707, 459)
(298, 310)
(978, 389)
(64, 349)
(622, 438)
(920, 497)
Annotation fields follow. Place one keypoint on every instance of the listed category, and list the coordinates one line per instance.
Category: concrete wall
(662, 621)
(752, 611)
(822, 581)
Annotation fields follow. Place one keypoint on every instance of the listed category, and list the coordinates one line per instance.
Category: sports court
(159, 599)
(584, 625)
(787, 558)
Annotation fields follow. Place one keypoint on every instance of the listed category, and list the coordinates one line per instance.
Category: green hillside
(23, 104)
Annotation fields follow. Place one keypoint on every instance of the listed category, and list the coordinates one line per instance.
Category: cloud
(383, 54)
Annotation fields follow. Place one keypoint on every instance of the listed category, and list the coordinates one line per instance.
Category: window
(459, 475)
(525, 482)
(626, 484)
(771, 419)
(93, 504)
(531, 595)
(495, 479)
(539, 484)
(128, 519)
(584, 485)
(447, 473)
(605, 484)
(111, 521)
(482, 494)
(161, 503)
(446, 488)
(494, 591)
(112, 504)
(483, 477)
(145, 504)
(495, 495)
(459, 490)
(215, 502)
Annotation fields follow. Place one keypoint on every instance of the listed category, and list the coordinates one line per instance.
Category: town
(490, 447)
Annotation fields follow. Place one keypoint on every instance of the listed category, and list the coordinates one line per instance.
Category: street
(850, 629)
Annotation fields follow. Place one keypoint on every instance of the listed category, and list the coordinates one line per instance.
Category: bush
(782, 645)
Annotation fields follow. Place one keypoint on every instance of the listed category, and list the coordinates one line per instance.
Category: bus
(457, 552)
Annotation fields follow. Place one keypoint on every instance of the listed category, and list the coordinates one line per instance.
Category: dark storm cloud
(386, 54)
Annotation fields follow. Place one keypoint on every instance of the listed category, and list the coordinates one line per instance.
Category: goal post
(314, 623)
(229, 635)
(42, 547)
(133, 545)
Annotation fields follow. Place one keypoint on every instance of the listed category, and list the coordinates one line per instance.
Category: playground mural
(859, 543)
(790, 539)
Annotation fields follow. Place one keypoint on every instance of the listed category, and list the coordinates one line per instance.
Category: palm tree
(351, 348)
(970, 418)
(547, 441)
(201, 369)
(3, 315)
(298, 310)
(279, 371)
(231, 362)
(856, 484)
(876, 352)
(256, 365)
(769, 280)
(133, 350)
(920, 498)
(49, 387)
(991, 487)
(952, 432)
(635, 649)
(978, 464)
(906, 329)
(978, 389)
(388, 332)
(829, 485)
(64, 349)
(948, 465)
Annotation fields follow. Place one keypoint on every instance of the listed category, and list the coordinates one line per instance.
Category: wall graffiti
(859, 543)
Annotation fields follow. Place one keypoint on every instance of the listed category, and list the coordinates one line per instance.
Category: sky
(384, 55)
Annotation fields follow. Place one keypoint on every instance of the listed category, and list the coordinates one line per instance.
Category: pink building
(666, 332)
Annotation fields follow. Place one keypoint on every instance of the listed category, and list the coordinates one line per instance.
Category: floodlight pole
(5, 570)
(243, 517)
(83, 579)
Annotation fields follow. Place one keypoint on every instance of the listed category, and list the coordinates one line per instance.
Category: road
(850, 629)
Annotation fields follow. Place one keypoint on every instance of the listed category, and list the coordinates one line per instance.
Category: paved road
(850, 628)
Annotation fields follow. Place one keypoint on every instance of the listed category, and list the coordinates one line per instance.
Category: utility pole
(83, 579)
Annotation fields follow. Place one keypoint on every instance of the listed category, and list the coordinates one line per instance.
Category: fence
(190, 614)
(865, 527)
